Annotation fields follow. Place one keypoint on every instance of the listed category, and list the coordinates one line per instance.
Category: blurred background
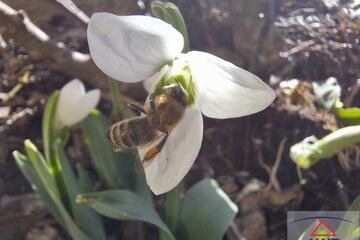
(288, 43)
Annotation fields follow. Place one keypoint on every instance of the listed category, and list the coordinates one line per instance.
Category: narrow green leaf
(85, 182)
(349, 116)
(88, 220)
(345, 229)
(116, 170)
(48, 128)
(142, 188)
(123, 205)
(41, 169)
(206, 212)
(171, 212)
(29, 172)
(73, 230)
(50, 131)
(52, 202)
(172, 209)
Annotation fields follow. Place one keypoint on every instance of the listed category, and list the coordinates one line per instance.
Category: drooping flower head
(74, 103)
(142, 48)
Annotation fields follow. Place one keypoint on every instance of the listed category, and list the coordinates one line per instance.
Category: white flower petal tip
(178, 155)
(131, 48)
(149, 84)
(225, 90)
(74, 104)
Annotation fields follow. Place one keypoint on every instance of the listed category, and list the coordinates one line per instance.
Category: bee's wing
(152, 152)
(121, 148)
(114, 131)
(118, 129)
(138, 108)
(143, 165)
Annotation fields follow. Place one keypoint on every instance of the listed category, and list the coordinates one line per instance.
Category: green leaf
(51, 130)
(327, 93)
(142, 188)
(116, 170)
(207, 212)
(349, 116)
(40, 184)
(42, 169)
(48, 124)
(85, 182)
(123, 205)
(88, 220)
(29, 172)
(172, 209)
(345, 229)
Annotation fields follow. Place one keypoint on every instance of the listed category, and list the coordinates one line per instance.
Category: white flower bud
(74, 103)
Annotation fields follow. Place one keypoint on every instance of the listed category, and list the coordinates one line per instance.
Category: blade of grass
(48, 122)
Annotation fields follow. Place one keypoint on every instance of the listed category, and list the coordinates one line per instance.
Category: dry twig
(17, 25)
(272, 171)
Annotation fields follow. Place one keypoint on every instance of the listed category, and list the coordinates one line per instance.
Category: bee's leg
(137, 108)
(152, 102)
(151, 154)
(119, 149)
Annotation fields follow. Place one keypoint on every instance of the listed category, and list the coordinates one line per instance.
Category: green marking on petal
(179, 73)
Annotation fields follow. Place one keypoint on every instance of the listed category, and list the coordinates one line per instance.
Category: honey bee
(163, 113)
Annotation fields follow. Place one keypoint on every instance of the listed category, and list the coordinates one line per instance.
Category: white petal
(150, 83)
(70, 94)
(178, 155)
(131, 48)
(225, 90)
(83, 107)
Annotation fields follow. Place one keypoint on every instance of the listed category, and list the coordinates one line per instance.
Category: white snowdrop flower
(288, 87)
(142, 48)
(74, 103)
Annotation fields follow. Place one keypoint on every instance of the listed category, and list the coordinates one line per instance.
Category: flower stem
(307, 153)
(115, 96)
(172, 209)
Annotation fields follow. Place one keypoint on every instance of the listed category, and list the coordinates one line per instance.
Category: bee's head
(177, 92)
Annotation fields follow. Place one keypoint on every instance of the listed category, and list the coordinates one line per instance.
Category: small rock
(4, 111)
